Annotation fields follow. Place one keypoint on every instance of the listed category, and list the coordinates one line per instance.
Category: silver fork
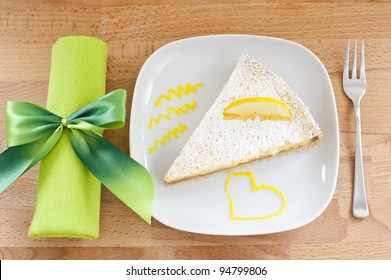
(354, 88)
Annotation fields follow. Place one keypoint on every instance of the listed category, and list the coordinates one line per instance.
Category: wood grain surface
(133, 31)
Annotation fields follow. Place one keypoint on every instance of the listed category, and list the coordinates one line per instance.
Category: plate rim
(135, 110)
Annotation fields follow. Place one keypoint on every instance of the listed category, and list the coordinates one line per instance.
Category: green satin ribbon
(33, 131)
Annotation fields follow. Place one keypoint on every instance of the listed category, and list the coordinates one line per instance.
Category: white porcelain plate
(307, 179)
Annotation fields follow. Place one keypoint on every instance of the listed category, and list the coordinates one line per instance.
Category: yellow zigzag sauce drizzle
(254, 188)
(177, 111)
(179, 92)
(168, 136)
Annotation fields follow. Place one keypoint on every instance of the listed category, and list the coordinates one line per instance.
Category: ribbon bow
(32, 132)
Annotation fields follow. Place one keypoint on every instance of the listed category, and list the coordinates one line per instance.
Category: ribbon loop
(26, 123)
(107, 112)
(32, 132)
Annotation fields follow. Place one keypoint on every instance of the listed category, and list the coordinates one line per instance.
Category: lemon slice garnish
(264, 107)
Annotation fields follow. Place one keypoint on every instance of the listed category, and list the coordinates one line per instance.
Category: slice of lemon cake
(256, 116)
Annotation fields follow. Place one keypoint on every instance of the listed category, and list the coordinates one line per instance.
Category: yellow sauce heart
(254, 188)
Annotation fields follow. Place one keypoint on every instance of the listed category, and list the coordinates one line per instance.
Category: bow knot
(64, 122)
(32, 132)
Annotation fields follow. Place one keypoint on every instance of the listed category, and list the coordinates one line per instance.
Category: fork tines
(354, 63)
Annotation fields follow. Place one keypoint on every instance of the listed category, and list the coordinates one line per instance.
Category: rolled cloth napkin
(68, 199)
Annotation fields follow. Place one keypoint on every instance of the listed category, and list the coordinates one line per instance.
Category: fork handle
(360, 205)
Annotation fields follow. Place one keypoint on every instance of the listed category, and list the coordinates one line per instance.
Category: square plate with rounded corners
(201, 205)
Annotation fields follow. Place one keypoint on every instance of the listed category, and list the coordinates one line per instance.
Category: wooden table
(133, 32)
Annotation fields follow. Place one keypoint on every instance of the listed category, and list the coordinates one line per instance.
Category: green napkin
(68, 200)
